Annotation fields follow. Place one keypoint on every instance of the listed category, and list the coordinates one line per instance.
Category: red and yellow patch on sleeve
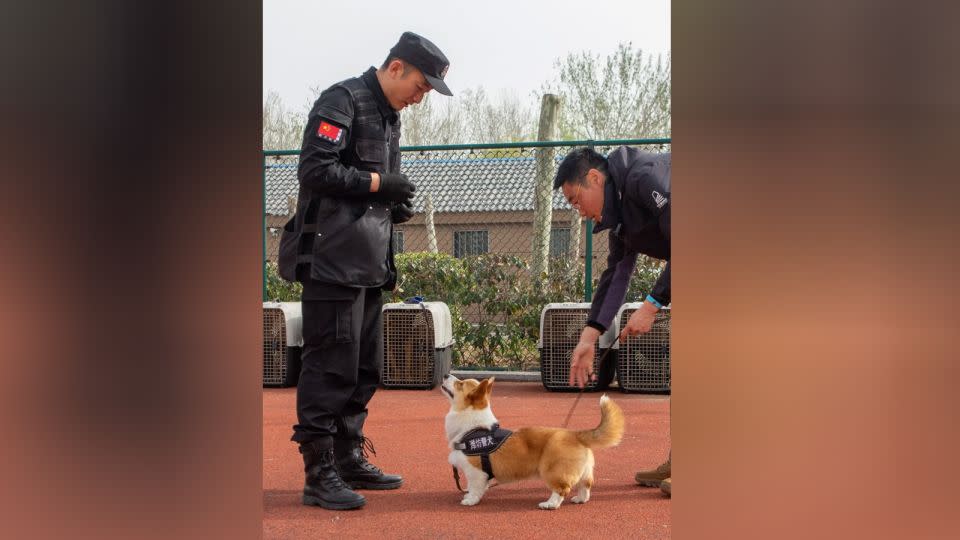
(329, 132)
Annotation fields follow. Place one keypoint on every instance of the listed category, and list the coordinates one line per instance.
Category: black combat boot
(356, 471)
(324, 486)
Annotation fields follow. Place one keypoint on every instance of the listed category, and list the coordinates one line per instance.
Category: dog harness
(483, 442)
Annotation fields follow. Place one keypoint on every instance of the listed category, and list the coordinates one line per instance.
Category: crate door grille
(274, 347)
(645, 359)
(408, 350)
(561, 333)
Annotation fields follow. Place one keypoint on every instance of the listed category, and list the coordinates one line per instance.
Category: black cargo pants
(342, 347)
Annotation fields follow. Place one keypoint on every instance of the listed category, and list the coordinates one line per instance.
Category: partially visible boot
(323, 486)
(665, 487)
(654, 477)
(356, 471)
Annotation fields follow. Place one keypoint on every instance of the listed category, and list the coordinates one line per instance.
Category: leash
(456, 478)
(580, 394)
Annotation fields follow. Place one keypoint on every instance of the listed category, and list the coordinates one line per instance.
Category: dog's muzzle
(443, 385)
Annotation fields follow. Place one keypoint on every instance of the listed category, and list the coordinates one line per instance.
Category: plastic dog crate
(282, 343)
(417, 344)
(560, 327)
(644, 360)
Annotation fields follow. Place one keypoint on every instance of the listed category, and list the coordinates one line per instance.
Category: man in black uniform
(627, 193)
(338, 244)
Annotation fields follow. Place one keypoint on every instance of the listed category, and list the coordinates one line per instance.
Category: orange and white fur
(562, 458)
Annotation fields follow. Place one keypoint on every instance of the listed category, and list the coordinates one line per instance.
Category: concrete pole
(543, 192)
(576, 224)
(428, 222)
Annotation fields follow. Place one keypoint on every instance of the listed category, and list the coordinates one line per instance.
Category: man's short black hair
(574, 167)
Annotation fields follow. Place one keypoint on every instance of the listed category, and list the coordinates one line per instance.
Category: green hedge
(279, 289)
(494, 302)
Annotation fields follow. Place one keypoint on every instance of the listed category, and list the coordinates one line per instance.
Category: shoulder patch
(330, 132)
(659, 199)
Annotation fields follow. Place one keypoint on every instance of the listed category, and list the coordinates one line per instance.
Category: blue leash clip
(414, 300)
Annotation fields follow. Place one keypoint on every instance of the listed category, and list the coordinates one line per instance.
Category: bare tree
(625, 95)
(282, 128)
(430, 123)
(470, 117)
(502, 120)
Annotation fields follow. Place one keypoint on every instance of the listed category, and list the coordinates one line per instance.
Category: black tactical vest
(374, 140)
(347, 240)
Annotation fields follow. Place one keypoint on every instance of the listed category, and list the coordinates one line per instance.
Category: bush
(494, 302)
(646, 274)
(279, 289)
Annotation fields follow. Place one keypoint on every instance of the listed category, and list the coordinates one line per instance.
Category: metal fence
(471, 242)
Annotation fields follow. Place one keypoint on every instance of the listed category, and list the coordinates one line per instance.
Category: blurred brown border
(815, 243)
(131, 392)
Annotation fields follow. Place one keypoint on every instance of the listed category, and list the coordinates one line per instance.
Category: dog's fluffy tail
(610, 430)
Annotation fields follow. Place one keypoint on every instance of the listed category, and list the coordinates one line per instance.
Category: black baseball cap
(421, 53)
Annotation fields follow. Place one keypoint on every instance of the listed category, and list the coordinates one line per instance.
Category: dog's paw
(470, 501)
(553, 502)
(577, 500)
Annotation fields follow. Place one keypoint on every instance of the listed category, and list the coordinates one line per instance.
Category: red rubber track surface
(406, 427)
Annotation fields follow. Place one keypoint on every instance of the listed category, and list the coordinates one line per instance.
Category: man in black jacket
(627, 193)
(338, 244)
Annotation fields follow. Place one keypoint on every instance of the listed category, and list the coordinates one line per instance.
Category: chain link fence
(480, 241)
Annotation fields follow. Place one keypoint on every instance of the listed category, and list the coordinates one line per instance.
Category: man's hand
(396, 187)
(581, 362)
(640, 322)
(401, 212)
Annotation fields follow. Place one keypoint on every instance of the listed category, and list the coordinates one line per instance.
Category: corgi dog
(562, 458)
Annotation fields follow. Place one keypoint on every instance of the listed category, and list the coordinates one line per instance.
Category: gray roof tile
(461, 184)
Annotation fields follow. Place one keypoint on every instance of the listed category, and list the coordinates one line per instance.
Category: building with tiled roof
(483, 184)
(481, 203)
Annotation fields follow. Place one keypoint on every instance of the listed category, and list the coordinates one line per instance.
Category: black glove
(396, 187)
(402, 212)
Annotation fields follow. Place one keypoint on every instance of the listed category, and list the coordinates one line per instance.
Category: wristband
(596, 325)
(653, 301)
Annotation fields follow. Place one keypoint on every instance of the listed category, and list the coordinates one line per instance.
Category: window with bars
(397, 241)
(466, 243)
(559, 242)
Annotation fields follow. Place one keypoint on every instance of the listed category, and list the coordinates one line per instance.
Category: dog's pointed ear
(487, 385)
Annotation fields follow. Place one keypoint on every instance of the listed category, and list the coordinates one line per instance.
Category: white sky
(504, 46)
